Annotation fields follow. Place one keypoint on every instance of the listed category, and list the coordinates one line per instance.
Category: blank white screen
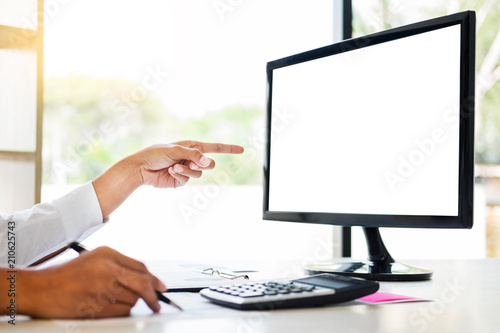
(369, 131)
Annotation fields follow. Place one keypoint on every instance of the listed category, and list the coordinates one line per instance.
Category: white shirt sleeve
(48, 227)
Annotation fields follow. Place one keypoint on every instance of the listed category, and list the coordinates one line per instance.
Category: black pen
(79, 248)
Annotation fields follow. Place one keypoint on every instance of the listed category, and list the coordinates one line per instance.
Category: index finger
(220, 148)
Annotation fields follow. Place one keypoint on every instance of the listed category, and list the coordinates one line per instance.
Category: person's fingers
(219, 148)
(136, 265)
(194, 166)
(185, 171)
(141, 284)
(180, 153)
(115, 310)
(122, 259)
(181, 179)
(126, 296)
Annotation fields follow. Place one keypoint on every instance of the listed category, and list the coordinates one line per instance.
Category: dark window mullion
(346, 34)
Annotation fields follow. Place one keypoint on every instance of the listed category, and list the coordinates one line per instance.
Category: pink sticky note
(380, 297)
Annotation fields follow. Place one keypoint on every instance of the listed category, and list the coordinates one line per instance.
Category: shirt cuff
(80, 213)
(74, 217)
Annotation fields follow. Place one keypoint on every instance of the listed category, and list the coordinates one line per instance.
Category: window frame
(346, 19)
(15, 38)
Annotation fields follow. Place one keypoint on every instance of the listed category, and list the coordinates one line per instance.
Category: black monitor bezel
(464, 219)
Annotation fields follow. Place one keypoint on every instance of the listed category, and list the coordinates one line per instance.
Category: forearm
(14, 285)
(7, 297)
(116, 184)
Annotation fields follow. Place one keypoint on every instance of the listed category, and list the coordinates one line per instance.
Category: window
(21, 40)
(120, 75)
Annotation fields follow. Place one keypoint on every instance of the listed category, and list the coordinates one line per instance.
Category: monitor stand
(380, 265)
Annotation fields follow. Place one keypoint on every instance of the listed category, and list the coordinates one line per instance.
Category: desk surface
(464, 296)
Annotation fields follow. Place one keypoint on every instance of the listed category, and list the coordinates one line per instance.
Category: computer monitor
(376, 131)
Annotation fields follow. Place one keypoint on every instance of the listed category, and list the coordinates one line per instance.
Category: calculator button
(251, 294)
(283, 291)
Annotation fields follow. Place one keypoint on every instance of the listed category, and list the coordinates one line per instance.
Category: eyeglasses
(230, 276)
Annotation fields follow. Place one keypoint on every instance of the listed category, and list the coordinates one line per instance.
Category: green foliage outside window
(91, 123)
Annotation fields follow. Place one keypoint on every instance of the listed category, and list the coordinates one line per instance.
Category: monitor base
(380, 265)
(368, 270)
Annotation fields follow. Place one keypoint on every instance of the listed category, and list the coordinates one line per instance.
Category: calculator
(317, 290)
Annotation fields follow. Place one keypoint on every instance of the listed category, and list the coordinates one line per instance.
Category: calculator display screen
(326, 283)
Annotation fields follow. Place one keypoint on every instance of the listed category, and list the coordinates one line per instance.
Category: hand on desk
(99, 283)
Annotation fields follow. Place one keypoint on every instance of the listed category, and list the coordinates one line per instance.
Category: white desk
(465, 294)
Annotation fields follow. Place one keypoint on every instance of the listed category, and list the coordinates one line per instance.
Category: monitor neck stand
(380, 265)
